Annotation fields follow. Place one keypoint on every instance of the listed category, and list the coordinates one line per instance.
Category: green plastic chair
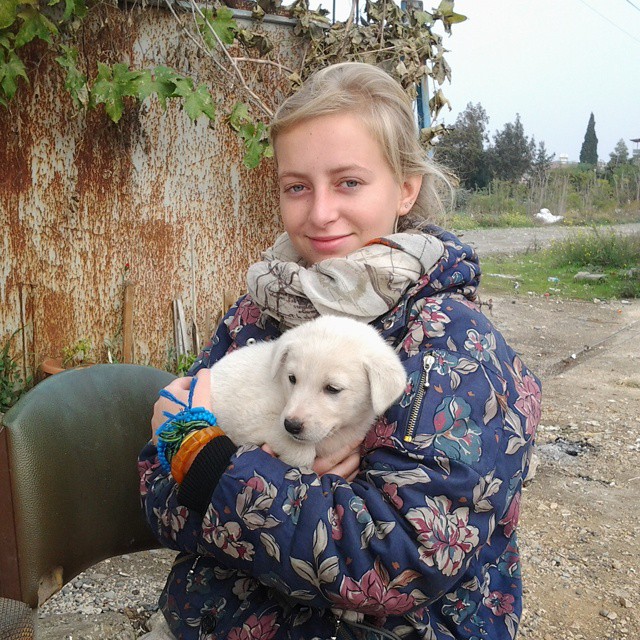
(68, 482)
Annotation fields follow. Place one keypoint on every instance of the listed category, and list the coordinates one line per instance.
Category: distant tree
(512, 152)
(542, 160)
(463, 149)
(539, 176)
(589, 150)
(619, 155)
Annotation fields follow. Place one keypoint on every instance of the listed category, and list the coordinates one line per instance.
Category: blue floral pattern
(423, 542)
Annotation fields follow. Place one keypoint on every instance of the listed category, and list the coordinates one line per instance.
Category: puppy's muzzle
(293, 426)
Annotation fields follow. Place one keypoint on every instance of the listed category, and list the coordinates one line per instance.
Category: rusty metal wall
(155, 201)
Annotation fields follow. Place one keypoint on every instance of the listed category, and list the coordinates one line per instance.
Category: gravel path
(491, 241)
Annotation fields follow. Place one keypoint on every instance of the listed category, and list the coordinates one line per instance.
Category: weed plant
(598, 250)
(12, 384)
(466, 222)
(552, 271)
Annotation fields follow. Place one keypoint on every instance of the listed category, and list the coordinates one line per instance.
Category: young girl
(416, 529)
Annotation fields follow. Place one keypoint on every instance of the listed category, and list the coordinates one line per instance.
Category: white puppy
(311, 391)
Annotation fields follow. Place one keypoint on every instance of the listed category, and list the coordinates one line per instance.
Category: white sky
(551, 61)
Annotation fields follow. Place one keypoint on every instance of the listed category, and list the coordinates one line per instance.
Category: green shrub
(465, 221)
(603, 250)
(12, 385)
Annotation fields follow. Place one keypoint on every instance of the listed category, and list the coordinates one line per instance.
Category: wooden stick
(195, 337)
(176, 331)
(127, 324)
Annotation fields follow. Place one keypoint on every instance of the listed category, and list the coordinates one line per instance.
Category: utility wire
(610, 21)
(635, 6)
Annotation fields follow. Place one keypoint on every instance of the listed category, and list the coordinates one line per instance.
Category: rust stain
(81, 198)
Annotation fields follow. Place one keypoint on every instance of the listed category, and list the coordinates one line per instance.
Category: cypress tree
(589, 150)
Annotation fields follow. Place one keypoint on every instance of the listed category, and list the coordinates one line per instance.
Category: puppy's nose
(293, 426)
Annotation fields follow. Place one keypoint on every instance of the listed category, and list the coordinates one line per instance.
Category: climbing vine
(403, 42)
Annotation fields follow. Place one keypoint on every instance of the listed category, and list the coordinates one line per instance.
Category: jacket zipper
(427, 364)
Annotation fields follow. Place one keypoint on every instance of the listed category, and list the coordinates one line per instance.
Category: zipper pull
(335, 631)
(427, 364)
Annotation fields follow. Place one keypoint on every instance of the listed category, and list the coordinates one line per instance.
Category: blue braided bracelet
(175, 429)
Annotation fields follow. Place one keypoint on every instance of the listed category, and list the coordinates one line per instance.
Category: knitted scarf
(363, 285)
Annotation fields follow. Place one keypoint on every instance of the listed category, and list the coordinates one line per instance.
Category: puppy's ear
(387, 380)
(280, 353)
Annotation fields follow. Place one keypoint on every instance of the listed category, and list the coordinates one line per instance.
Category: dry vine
(402, 42)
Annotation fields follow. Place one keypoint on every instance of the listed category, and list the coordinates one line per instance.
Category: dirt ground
(580, 525)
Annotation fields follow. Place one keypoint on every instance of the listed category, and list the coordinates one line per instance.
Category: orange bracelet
(191, 446)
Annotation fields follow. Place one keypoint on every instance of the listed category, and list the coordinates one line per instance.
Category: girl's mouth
(327, 244)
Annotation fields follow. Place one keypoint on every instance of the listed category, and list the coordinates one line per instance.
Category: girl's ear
(410, 190)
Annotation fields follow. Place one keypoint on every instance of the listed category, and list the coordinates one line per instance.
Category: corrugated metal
(87, 205)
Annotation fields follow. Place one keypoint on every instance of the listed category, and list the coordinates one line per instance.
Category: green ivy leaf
(253, 136)
(5, 40)
(75, 81)
(112, 85)
(224, 25)
(8, 13)
(71, 8)
(34, 25)
(76, 8)
(253, 154)
(11, 68)
(200, 102)
(165, 84)
(255, 143)
(143, 85)
(239, 115)
(183, 86)
(222, 22)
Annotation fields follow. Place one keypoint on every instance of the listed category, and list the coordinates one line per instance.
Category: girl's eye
(292, 378)
(296, 188)
(350, 184)
(332, 389)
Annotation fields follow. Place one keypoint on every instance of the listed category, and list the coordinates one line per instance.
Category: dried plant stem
(267, 62)
(239, 76)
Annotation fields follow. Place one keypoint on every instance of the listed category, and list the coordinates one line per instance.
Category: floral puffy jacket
(423, 541)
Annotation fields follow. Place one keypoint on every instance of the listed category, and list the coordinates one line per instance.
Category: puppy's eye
(332, 389)
(292, 378)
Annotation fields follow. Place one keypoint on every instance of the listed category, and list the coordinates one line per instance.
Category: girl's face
(337, 191)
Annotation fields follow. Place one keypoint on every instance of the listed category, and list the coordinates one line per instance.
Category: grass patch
(462, 221)
(597, 249)
(551, 271)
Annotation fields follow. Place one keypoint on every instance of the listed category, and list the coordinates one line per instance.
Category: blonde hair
(387, 111)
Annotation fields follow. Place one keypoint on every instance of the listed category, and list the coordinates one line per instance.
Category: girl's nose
(324, 209)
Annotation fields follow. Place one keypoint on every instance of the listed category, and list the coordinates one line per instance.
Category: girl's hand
(180, 389)
(344, 463)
